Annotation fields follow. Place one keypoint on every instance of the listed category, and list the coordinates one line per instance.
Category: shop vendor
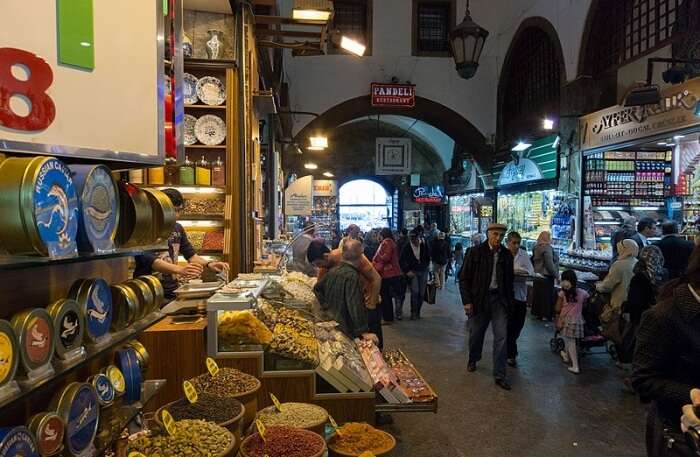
(166, 262)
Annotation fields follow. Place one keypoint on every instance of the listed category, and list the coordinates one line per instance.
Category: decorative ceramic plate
(210, 130)
(190, 137)
(210, 91)
(189, 89)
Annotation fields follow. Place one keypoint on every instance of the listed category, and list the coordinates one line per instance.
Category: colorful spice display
(355, 438)
(228, 382)
(284, 442)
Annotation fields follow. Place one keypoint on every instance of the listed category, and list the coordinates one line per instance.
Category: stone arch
(531, 28)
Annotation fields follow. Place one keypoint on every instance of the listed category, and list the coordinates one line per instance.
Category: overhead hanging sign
(462, 179)
(434, 195)
(393, 156)
(298, 198)
(537, 163)
(393, 95)
(76, 76)
(325, 188)
(678, 109)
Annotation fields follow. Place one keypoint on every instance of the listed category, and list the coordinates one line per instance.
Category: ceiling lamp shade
(467, 41)
(312, 10)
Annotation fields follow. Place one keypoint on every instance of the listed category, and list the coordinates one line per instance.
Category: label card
(212, 366)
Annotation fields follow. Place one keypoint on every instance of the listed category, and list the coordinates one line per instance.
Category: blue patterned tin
(17, 441)
(95, 298)
(78, 405)
(99, 207)
(56, 208)
(103, 388)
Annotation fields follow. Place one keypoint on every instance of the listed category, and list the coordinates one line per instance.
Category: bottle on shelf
(203, 173)
(218, 173)
(136, 176)
(171, 172)
(186, 173)
(156, 176)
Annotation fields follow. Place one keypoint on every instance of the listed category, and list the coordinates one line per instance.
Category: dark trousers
(516, 322)
(418, 283)
(374, 322)
(390, 291)
(494, 312)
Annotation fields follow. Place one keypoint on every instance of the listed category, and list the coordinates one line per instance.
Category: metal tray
(201, 290)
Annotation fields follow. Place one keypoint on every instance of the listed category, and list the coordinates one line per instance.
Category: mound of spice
(284, 442)
(193, 438)
(302, 415)
(228, 382)
(207, 407)
(355, 438)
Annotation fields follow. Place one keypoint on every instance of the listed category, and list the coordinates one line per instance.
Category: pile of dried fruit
(228, 382)
(284, 442)
(192, 438)
(242, 327)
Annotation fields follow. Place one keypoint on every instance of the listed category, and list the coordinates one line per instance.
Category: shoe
(565, 357)
(503, 384)
(471, 367)
(574, 370)
(512, 363)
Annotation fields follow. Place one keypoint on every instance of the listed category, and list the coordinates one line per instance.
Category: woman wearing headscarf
(546, 263)
(617, 284)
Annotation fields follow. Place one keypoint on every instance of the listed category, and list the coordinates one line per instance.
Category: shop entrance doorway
(365, 203)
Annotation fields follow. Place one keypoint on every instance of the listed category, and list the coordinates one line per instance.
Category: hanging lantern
(467, 41)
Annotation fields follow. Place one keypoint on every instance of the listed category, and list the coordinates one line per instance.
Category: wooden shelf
(206, 64)
(10, 263)
(204, 146)
(206, 106)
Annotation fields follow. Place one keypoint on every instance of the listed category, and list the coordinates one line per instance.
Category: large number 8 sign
(33, 89)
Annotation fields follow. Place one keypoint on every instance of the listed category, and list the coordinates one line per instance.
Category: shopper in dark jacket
(414, 262)
(486, 286)
(440, 253)
(667, 359)
(675, 249)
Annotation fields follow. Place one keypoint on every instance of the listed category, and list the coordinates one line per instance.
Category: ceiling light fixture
(466, 42)
(352, 46)
(310, 166)
(521, 146)
(312, 10)
(328, 174)
(318, 143)
(547, 124)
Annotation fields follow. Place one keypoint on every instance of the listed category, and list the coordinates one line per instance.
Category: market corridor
(549, 413)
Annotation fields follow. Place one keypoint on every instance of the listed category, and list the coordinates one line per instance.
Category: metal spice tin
(157, 289)
(164, 215)
(99, 207)
(95, 300)
(69, 325)
(103, 388)
(48, 429)
(35, 334)
(142, 356)
(39, 205)
(116, 377)
(144, 296)
(17, 441)
(78, 406)
(9, 353)
(127, 362)
(135, 217)
(124, 307)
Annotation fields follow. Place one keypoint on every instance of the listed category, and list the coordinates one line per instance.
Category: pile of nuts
(192, 438)
(228, 382)
(284, 442)
(302, 415)
(201, 207)
(207, 407)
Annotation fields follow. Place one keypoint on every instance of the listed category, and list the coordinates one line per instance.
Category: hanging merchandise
(218, 173)
(203, 173)
(187, 173)
(99, 207)
(69, 324)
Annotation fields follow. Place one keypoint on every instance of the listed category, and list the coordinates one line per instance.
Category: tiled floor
(549, 413)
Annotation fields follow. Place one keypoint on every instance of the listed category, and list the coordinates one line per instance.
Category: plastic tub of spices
(284, 442)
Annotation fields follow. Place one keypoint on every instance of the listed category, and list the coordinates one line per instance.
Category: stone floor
(549, 413)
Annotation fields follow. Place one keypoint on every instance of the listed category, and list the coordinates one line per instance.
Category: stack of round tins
(103, 388)
(144, 296)
(99, 207)
(17, 441)
(79, 408)
(36, 337)
(128, 363)
(125, 306)
(164, 215)
(116, 377)
(9, 353)
(157, 289)
(48, 429)
(69, 325)
(142, 356)
(40, 208)
(135, 218)
(95, 300)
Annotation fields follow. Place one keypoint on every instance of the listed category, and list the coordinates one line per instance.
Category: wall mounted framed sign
(393, 156)
(83, 85)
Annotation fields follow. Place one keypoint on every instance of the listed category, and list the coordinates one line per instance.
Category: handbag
(430, 293)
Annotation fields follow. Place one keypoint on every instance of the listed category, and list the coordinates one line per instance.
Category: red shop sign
(394, 95)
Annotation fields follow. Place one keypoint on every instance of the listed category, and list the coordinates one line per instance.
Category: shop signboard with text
(82, 78)
(325, 188)
(393, 95)
(678, 110)
(539, 162)
(434, 195)
(298, 197)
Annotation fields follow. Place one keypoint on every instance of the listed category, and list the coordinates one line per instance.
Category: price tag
(190, 392)
(367, 454)
(276, 402)
(212, 366)
(135, 454)
(168, 421)
(335, 425)
(261, 428)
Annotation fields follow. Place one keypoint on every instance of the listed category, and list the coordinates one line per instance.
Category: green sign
(539, 162)
(76, 38)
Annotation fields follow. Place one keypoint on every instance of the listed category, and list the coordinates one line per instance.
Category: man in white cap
(486, 286)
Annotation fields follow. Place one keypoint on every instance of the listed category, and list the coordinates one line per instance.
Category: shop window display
(469, 214)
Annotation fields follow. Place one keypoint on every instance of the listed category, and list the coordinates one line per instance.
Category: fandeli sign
(678, 109)
(429, 194)
(393, 95)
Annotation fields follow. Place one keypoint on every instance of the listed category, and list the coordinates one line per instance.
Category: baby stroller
(592, 331)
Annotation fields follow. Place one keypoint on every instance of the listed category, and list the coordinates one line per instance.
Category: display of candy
(197, 207)
(295, 341)
(418, 390)
(385, 380)
(242, 327)
(213, 241)
(340, 364)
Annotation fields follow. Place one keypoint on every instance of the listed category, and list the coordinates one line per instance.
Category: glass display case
(469, 214)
